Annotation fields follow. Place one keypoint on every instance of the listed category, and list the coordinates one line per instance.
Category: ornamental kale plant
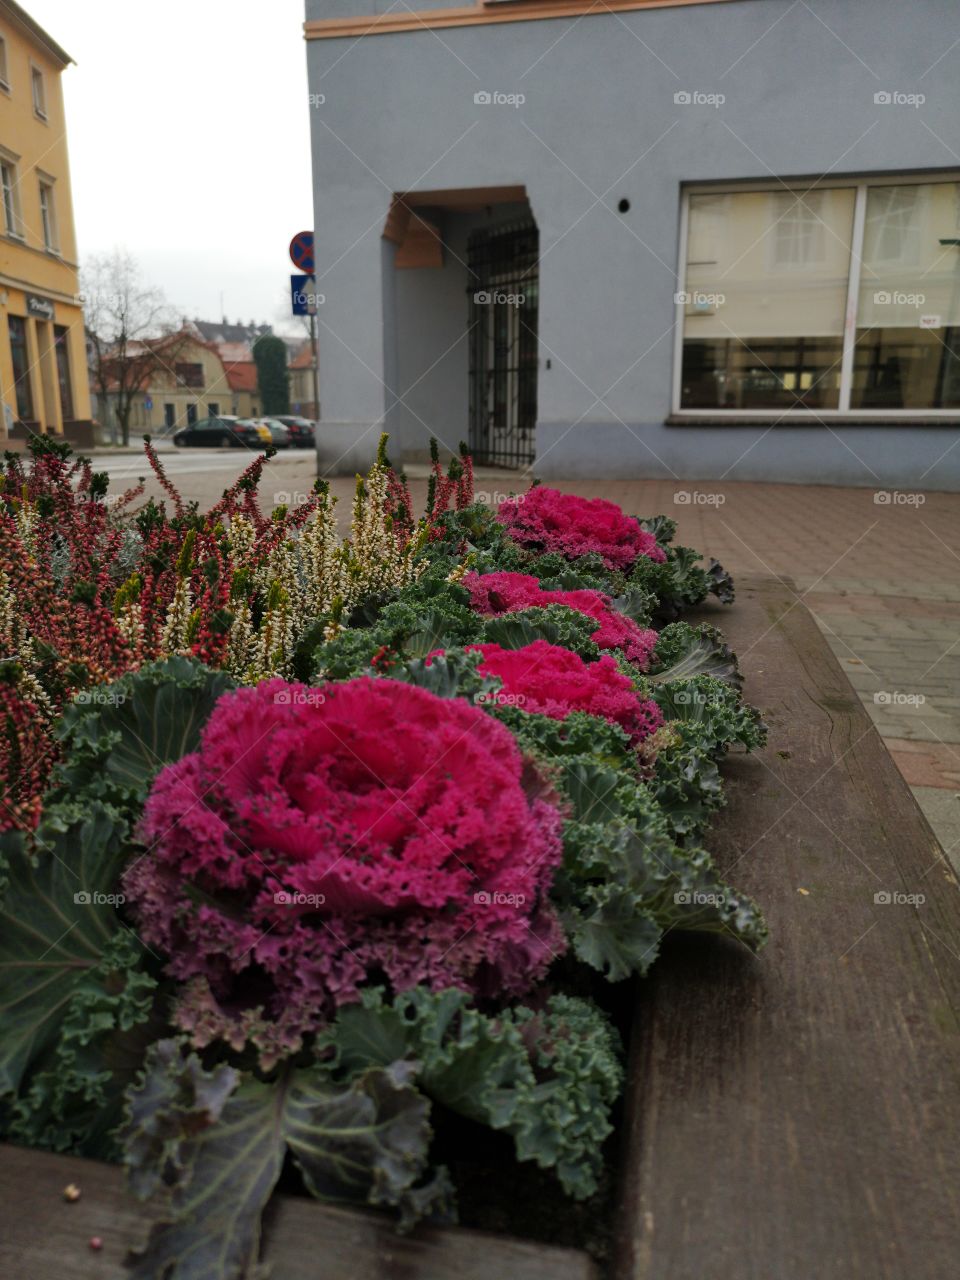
(548, 520)
(544, 678)
(319, 837)
(497, 593)
(342, 840)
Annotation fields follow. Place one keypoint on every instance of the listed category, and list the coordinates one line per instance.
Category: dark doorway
(503, 269)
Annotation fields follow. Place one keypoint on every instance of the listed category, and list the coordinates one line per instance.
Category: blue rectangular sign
(303, 297)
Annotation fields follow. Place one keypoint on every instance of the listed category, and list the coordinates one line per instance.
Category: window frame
(16, 232)
(861, 186)
(37, 77)
(49, 223)
(4, 65)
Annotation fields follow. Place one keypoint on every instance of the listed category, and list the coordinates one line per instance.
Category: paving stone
(942, 810)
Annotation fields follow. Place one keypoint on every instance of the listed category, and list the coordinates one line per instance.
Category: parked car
(261, 428)
(224, 432)
(302, 430)
(278, 432)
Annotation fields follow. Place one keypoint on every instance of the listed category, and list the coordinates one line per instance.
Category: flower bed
(319, 851)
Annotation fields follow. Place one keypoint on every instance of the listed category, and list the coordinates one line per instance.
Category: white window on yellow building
(48, 215)
(4, 77)
(39, 92)
(10, 196)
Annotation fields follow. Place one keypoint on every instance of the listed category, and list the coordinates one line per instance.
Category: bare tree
(132, 331)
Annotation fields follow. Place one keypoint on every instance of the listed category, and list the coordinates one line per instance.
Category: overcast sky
(189, 131)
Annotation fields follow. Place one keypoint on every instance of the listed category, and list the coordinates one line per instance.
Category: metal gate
(504, 295)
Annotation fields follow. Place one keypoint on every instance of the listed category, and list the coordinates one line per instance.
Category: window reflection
(766, 286)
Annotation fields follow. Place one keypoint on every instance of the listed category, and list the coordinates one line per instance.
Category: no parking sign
(301, 252)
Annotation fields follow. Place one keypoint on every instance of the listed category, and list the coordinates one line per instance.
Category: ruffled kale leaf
(626, 886)
(72, 1098)
(74, 996)
(117, 737)
(682, 651)
(662, 527)
(704, 717)
(625, 881)
(452, 674)
(548, 1077)
(578, 735)
(425, 616)
(680, 582)
(557, 624)
(210, 1146)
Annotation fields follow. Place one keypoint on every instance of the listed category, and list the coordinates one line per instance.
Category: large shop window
(63, 372)
(831, 299)
(21, 367)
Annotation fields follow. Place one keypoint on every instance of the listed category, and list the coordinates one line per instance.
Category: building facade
(679, 238)
(302, 385)
(43, 372)
(184, 380)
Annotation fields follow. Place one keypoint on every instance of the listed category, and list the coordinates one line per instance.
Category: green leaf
(117, 737)
(173, 1101)
(613, 933)
(432, 631)
(211, 1147)
(684, 651)
(556, 624)
(548, 1078)
(71, 1100)
(449, 675)
(366, 1143)
(58, 913)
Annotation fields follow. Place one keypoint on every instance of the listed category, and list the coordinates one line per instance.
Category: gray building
(714, 239)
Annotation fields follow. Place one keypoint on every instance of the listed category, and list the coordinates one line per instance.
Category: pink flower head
(551, 681)
(548, 520)
(495, 593)
(321, 839)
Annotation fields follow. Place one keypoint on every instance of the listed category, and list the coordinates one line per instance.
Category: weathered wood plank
(796, 1115)
(44, 1238)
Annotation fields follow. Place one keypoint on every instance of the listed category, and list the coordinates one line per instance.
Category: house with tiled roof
(302, 394)
(242, 380)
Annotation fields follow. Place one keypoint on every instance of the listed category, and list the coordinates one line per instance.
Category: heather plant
(91, 589)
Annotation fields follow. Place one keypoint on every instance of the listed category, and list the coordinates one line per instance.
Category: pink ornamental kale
(548, 520)
(495, 593)
(321, 839)
(551, 681)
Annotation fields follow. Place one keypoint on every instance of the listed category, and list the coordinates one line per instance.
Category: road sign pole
(316, 367)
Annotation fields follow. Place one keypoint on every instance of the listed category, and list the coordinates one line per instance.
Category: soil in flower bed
(496, 1194)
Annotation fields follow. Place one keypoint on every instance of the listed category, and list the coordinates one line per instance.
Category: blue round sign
(301, 252)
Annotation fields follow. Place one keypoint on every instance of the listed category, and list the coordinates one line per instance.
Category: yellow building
(43, 367)
(185, 380)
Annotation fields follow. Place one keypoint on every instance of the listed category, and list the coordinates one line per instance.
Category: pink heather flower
(321, 839)
(495, 593)
(551, 681)
(548, 520)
